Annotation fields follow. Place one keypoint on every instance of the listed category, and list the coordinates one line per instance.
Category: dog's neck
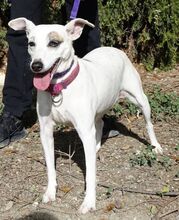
(64, 69)
(61, 79)
(61, 74)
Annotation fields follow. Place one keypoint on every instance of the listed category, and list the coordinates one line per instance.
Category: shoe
(110, 134)
(11, 129)
(109, 129)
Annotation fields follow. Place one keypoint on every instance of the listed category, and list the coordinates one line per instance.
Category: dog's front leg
(89, 144)
(47, 139)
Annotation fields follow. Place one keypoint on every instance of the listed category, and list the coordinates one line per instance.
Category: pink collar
(55, 89)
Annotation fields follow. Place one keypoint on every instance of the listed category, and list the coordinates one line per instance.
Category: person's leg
(90, 38)
(17, 91)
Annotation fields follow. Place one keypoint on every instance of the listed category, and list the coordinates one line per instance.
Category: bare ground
(23, 172)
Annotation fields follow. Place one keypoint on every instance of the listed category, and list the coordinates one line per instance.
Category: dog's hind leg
(99, 130)
(138, 97)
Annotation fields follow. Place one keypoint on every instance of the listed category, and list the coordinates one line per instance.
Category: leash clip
(57, 99)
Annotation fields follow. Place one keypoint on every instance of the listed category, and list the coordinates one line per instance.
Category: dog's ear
(75, 27)
(21, 24)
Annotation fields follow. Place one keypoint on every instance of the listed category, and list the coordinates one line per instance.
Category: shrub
(3, 22)
(3, 45)
(53, 11)
(148, 30)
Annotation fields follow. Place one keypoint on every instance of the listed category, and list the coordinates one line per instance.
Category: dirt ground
(23, 172)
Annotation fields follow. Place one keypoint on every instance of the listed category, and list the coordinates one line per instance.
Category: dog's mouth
(42, 81)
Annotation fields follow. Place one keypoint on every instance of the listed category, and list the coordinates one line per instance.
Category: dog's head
(49, 44)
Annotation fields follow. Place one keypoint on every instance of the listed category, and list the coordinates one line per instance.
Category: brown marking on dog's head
(55, 36)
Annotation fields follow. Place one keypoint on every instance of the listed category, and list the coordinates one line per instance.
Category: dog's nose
(37, 66)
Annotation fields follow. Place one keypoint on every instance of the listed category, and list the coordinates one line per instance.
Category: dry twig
(124, 189)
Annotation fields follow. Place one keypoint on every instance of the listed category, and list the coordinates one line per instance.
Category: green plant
(3, 21)
(148, 157)
(165, 162)
(131, 109)
(109, 192)
(164, 105)
(177, 174)
(147, 30)
(145, 157)
(3, 43)
(53, 11)
(117, 110)
(177, 147)
(125, 107)
(115, 22)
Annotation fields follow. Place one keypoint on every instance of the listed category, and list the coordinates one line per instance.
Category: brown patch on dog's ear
(55, 36)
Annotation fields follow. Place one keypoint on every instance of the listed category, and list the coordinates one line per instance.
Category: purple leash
(75, 8)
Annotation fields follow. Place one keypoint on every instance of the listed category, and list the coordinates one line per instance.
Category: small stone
(8, 206)
(35, 204)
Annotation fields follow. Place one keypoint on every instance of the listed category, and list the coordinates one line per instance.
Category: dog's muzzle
(42, 79)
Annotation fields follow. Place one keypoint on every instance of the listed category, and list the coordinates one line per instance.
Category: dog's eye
(54, 43)
(31, 44)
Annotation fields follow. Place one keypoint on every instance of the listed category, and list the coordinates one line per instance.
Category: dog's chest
(58, 114)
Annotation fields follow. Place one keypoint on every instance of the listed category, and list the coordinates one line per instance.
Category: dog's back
(109, 69)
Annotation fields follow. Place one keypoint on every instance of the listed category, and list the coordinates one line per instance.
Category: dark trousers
(18, 87)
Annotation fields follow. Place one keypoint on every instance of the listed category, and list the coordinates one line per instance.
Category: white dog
(78, 91)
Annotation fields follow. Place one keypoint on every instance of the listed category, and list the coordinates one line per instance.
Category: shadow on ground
(66, 141)
(38, 216)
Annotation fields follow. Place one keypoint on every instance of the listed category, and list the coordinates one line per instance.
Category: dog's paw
(48, 197)
(158, 149)
(86, 207)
